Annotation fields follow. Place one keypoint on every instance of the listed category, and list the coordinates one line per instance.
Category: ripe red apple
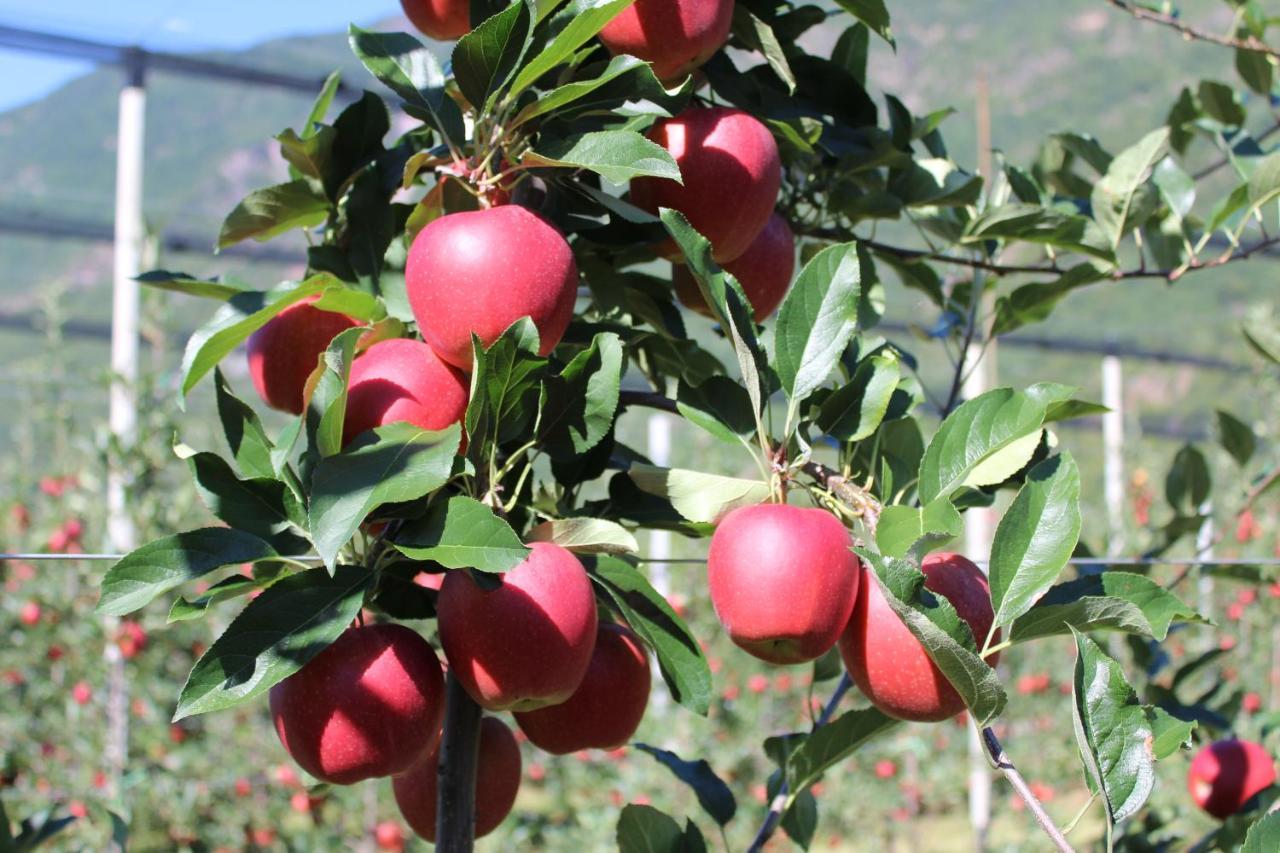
(29, 614)
(243, 787)
(783, 580)
(369, 705)
(403, 380)
(526, 644)
(606, 709)
(889, 664)
(1251, 703)
(81, 693)
(497, 783)
(731, 171)
(764, 271)
(442, 20)
(1227, 774)
(21, 517)
(478, 272)
(675, 36)
(283, 353)
(389, 836)
(886, 769)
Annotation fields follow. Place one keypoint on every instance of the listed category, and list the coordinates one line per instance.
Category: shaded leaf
(462, 533)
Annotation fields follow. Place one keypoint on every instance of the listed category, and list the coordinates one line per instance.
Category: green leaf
(167, 563)
(1113, 731)
(827, 746)
(1169, 733)
(324, 100)
(982, 442)
(1033, 303)
(616, 155)
(1036, 537)
(569, 93)
(718, 405)
(183, 610)
(699, 497)
(505, 382)
(935, 182)
(644, 829)
(484, 58)
(1220, 103)
(1264, 836)
(1124, 198)
(580, 403)
(308, 156)
(713, 794)
(589, 18)
(854, 412)
(872, 13)
(680, 658)
(759, 36)
(180, 282)
(393, 464)
(272, 211)
(1188, 483)
(327, 405)
(462, 533)
(412, 71)
(586, 536)
(1236, 437)
(800, 820)
(235, 321)
(273, 637)
(1115, 601)
(904, 529)
(817, 319)
(245, 435)
(255, 505)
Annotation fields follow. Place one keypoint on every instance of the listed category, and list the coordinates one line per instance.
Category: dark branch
(456, 779)
(1142, 13)
(996, 753)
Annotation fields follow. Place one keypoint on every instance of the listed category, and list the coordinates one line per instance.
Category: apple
(888, 663)
(369, 705)
(526, 644)
(21, 517)
(243, 787)
(403, 381)
(442, 20)
(82, 693)
(674, 36)
(1227, 774)
(731, 170)
(389, 836)
(497, 783)
(1251, 703)
(886, 769)
(783, 580)
(284, 352)
(29, 614)
(764, 271)
(606, 709)
(477, 272)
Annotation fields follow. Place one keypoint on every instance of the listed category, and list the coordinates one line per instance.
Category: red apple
(526, 644)
(889, 664)
(21, 517)
(369, 705)
(243, 787)
(764, 271)
(442, 20)
(1227, 774)
(389, 836)
(497, 783)
(29, 614)
(403, 381)
(1251, 703)
(478, 272)
(886, 769)
(284, 352)
(82, 693)
(783, 580)
(675, 36)
(731, 171)
(606, 709)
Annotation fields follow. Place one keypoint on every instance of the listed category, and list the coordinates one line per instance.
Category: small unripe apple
(887, 662)
(526, 644)
(478, 272)
(764, 271)
(442, 20)
(606, 709)
(497, 783)
(783, 580)
(1227, 774)
(369, 705)
(731, 171)
(402, 380)
(675, 36)
(284, 352)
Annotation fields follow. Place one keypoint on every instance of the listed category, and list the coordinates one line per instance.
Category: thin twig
(1002, 763)
(852, 495)
(1142, 13)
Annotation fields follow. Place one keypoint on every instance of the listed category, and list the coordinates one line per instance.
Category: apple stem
(459, 755)
(1002, 763)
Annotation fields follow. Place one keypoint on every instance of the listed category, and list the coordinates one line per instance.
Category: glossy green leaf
(571, 93)
(873, 13)
(1115, 601)
(272, 211)
(817, 319)
(586, 536)
(644, 829)
(1124, 198)
(1264, 836)
(713, 794)
(616, 155)
(412, 71)
(184, 610)
(179, 282)
(250, 446)
(581, 402)
(1236, 437)
(484, 58)
(759, 36)
(699, 497)
(855, 410)
(254, 505)
(589, 18)
(462, 533)
(902, 529)
(827, 746)
(718, 405)
(505, 382)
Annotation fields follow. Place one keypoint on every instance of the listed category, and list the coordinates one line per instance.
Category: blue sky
(173, 25)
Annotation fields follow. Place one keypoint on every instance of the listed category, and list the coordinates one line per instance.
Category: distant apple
(1227, 774)
(442, 20)
(29, 614)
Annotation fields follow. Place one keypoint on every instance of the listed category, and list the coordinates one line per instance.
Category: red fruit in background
(262, 837)
(243, 787)
(1227, 774)
(51, 486)
(782, 683)
(285, 776)
(132, 639)
(887, 662)
(1247, 596)
(764, 271)
(1247, 527)
(300, 802)
(58, 542)
(389, 836)
(783, 580)
(886, 769)
(73, 528)
(757, 684)
(177, 733)
(1235, 611)
(29, 614)
(731, 693)
(429, 580)
(537, 772)
(442, 20)
(77, 809)
(13, 678)
(1251, 703)
(497, 783)
(81, 693)
(21, 517)
(731, 170)
(369, 705)
(606, 709)
(526, 644)
(675, 36)
(403, 381)
(1274, 590)
(284, 352)
(478, 272)
(1227, 643)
